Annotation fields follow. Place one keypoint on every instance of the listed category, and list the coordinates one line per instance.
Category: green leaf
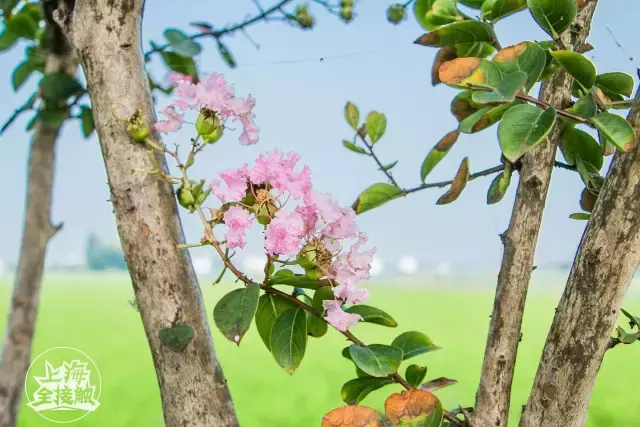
(442, 12)
(376, 124)
(389, 166)
(180, 64)
(505, 92)
(316, 327)
(554, 16)
(352, 115)
(182, 44)
(618, 83)
(586, 107)
(353, 147)
(493, 10)
(634, 321)
(289, 339)
(226, 55)
(459, 32)
(234, 312)
(354, 391)
(477, 49)
(625, 337)
(484, 118)
(458, 184)
(415, 374)
(499, 187)
(437, 384)
(86, 118)
(527, 57)
(58, 86)
(22, 25)
(470, 72)
(413, 343)
(437, 153)
(268, 310)
(578, 66)
(475, 4)
(588, 173)
(289, 278)
(320, 295)
(7, 39)
(53, 116)
(20, 74)
(577, 143)
(615, 129)
(522, 128)
(176, 338)
(377, 360)
(374, 196)
(372, 315)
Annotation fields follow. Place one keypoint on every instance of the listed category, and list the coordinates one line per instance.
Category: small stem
(559, 111)
(155, 146)
(445, 183)
(191, 245)
(373, 154)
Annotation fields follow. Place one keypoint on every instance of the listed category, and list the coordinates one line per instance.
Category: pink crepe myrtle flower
(284, 233)
(278, 170)
(175, 77)
(238, 221)
(337, 317)
(236, 180)
(350, 268)
(213, 92)
(173, 123)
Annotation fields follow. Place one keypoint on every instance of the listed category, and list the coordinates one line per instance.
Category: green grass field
(91, 313)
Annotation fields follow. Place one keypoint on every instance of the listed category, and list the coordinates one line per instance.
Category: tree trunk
(606, 261)
(16, 350)
(107, 40)
(520, 241)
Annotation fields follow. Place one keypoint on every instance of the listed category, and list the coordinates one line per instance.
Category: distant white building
(408, 265)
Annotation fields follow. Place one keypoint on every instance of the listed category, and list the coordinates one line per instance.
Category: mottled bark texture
(520, 241)
(106, 36)
(38, 230)
(606, 261)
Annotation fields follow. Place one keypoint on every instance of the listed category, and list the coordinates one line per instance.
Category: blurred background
(435, 268)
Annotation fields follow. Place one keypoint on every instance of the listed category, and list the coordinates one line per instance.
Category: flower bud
(396, 13)
(214, 136)
(303, 18)
(346, 13)
(137, 127)
(186, 199)
(308, 257)
(207, 122)
(346, 3)
(264, 212)
(314, 273)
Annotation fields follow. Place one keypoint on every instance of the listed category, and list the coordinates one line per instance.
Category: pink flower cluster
(214, 93)
(317, 219)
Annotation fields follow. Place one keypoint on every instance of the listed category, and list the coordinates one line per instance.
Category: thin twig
(559, 111)
(375, 157)
(24, 107)
(485, 172)
(227, 30)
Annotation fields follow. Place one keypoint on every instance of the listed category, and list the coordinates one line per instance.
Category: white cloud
(407, 264)
(377, 266)
(203, 265)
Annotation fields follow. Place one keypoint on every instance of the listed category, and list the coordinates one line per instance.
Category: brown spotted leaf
(445, 54)
(463, 106)
(470, 72)
(587, 200)
(354, 416)
(459, 182)
(417, 408)
(437, 153)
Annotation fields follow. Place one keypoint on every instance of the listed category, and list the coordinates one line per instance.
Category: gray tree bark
(520, 241)
(606, 261)
(38, 230)
(106, 38)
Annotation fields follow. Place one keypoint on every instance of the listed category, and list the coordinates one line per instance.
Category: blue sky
(299, 108)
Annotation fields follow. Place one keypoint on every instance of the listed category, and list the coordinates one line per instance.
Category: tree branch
(226, 30)
(520, 240)
(37, 231)
(602, 271)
